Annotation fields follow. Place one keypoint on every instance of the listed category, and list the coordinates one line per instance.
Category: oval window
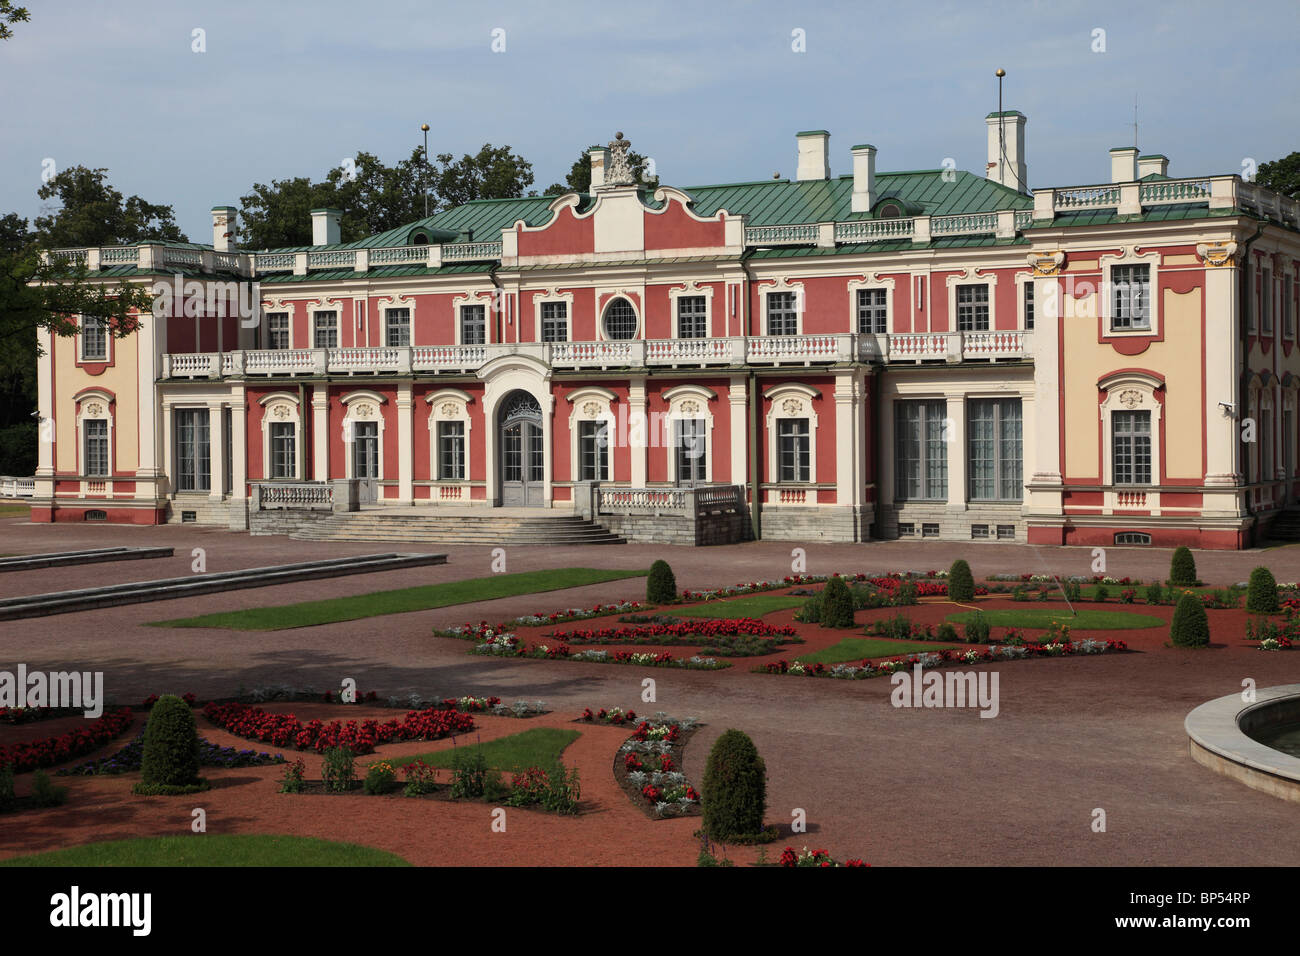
(620, 320)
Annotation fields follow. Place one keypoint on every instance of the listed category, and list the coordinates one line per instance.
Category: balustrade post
(319, 361)
(921, 231)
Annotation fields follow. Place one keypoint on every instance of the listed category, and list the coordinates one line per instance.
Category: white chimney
(223, 228)
(325, 226)
(814, 161)
(599, 161)
(1006, 163)
(864, 178)
(1123, 164)
(1154, 163)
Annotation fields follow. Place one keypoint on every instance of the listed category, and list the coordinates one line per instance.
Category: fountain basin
(1227, 735)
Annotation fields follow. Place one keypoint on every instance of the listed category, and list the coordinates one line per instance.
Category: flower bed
(991, 654)
(727, 637)
(508, 645)
(29, 755)
(614, 715)
(128, 759)
(285, 730)
(648, 767)
(574, 614)
(813, 858)
(29, 715)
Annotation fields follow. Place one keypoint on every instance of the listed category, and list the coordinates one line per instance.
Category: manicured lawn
(214, 850)
(422, 598)
(1086, 618)
(753, 605)
(860, 648)
(539, 747)
(11, 510)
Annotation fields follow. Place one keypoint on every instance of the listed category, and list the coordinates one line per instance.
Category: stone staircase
(426, 528)
(1286, 526)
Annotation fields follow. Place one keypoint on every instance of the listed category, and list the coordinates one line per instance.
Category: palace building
(874, 355)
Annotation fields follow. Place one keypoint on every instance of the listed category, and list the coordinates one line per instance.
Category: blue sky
(713, 91)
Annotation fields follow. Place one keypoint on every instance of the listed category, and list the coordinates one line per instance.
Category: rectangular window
(94, 338)
(972, 308)
(555, 321)
(1288, 307)
(96, 451)
(284, 460)
(1006, 532)
(1266, 303)
(930, 530)
(1131, 447)
(692, 317)
(920, 450)
(325, 330)
(1029, 305)
(979, 531)
(365, 449)
(397, 323)
(873, 313)
(473, 325)
(782, 317)
(593, 454)
(451, 450)
(1130, 298)
(793, 450)
(691, 450)
(277, 330)
(193, 450)
(994, 449)
(906, 530)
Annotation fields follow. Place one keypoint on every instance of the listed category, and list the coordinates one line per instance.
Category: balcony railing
(958, 346)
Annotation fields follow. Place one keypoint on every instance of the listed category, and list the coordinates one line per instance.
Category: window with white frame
(1131, 447)
(451, 451)
(473, 325)
(95, 451)
(620, 320)
(284, 457)
(94, 338)
(1130, 297)
(555, 321)
(593, 451)
(193, 450)
(994, 441)
(782, 313)
(691, 446)
(692, 317)
(920, 450)
(873, 311)
(325, 330)
(277, 330)
(793, 448)
(397, 327)
(972, 308)
(1029, 304)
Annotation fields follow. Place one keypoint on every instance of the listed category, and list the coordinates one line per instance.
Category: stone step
(456, 529)
(59, 559)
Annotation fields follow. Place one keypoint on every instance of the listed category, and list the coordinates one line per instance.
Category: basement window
(929, 530)
(96, 515)
(979, 531)
(907, 530)
(189, 517)
(1006, 532)
(1132, 537)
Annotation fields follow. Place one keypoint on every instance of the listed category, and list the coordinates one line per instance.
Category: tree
(9, 14)
(579, 178)
(1281, 175)
(661, 584)
(93, 213)
(1182, 568)
(279, 215)
(378, 197)
(837, 604)
(1261, 593)
(1190, 626)
(961, 583)
(735, 788)
(494, 173)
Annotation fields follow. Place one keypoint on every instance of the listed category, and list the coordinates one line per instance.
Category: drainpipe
(751, 395)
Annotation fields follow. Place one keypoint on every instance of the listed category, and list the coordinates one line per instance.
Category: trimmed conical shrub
(169, 761)
(734, 789)
(961, 583)
(837, 604)
(1191, 626)
(1182, 568)
(1261, 595)
(661, 586)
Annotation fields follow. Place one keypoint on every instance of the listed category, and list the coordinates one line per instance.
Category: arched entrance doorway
(523, 457)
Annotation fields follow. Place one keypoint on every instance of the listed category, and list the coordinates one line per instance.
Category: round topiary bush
(661, 586)
(1261, 593)
(1191, 626)
(837, 604)
(1182, 568)
(961, 583)
(734, 789)
(169, 761)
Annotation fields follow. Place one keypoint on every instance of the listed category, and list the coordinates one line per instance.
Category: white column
(1044, 496)
(45, 403)
(320, 436)
(1223, 467)
(216, 451)
(956, 434)
(848, 440)
(165, 484)
(739, 402)
(636, 400)
(149, 341)
(405, 459)
(239, 446)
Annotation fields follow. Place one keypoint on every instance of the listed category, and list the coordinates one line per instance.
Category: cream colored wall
(1178, 358)
(120, 379)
